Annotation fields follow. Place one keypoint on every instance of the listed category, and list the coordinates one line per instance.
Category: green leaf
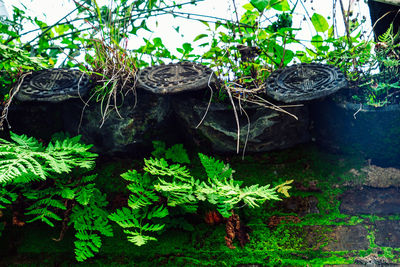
(260, 4)
(177, 154)
(280, 5)
(248, 7)
(200, 36)
(68, 193)
(317, 41)
(84, 196)
(319, 22)
(187, 47)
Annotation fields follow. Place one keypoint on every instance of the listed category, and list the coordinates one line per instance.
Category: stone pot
(138, 123)
(356, 129)
(269, 129)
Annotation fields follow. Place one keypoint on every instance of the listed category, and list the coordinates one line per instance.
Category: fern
(6, 197)
(142, 191)
(45, 206)
(387, 37)
(86, 245)
(133, 220)
(71, 199)
(174, 186)
(25, 159)
(90, 220)
(160, 167)
(215, 169)
(177, 153)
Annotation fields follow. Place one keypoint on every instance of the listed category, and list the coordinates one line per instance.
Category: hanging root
(13, 92)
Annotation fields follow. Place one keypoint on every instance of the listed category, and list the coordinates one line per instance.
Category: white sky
(51, 10)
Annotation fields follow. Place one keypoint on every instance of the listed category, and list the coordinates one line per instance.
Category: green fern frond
(125, 217)
(177, 154)
(129, 219)
(142, 191)
(387, 36)
(86, 245)
(85, 194)
(160, 167)
(48, 203)
(27, 142)
(215, 169)
(177, 193)
(138, 239)
(27, 156)
(15, 164)
(141, 199)
(178, 187)
(6, 197)
(157, 212)
(102, 225)
(43, 215)
(89, 221)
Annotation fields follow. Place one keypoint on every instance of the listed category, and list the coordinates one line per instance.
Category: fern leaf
(125, 217)
(101, 224)
(215, 169)
(177, 154)
(157, 212)
(6, 197)
(27, 142)
(137, 238)
(142, 199)
(387, 37)
(152, 227)
(159, 149)
(85, 194)
(86, 245)
(160, 167)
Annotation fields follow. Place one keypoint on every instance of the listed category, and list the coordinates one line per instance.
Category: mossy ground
(293, 241)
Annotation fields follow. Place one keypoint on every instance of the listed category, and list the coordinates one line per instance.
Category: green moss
(290, 243)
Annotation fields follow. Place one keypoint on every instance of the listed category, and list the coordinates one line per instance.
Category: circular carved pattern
(175, 78)
(304, 82)
(54, 85)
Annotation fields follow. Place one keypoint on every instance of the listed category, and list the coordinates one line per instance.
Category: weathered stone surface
(118, 133)
(387, 233)
(300, 205)
(303, 82)
(337, 237)
(381, 177)
(369, 200)
(54, 85)
(372, 260)
(347, 237)
(176, 78)
(268, 129)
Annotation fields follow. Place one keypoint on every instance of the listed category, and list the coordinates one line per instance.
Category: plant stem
(346, 22)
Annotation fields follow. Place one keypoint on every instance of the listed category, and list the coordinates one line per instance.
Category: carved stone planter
(38, 107)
